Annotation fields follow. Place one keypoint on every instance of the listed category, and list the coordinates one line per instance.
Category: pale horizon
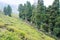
(15, 3)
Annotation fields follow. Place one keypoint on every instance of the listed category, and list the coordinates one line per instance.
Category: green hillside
(15, 29)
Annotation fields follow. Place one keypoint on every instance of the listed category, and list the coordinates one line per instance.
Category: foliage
(8, 10)
(22, 30)
(25, 11)
(45, 18)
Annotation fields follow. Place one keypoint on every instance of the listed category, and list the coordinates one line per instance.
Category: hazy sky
(16, 2)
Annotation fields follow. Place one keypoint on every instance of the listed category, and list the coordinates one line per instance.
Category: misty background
(15, 3)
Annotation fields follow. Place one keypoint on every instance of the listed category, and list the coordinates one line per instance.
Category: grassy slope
(15, 29)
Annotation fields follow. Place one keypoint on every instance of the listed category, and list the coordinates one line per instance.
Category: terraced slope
(15, 29)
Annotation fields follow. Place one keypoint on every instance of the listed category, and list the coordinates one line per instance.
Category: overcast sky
(16, 2)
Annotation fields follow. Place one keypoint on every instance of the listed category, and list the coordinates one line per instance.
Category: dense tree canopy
(44, 18)
(25, 11)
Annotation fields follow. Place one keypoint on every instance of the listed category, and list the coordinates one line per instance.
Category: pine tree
(40, 11)
(57, 17)
(5, 10)
(29, 11)
(21, 10)
(9, 10)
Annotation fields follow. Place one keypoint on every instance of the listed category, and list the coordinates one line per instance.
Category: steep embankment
(15, 29)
